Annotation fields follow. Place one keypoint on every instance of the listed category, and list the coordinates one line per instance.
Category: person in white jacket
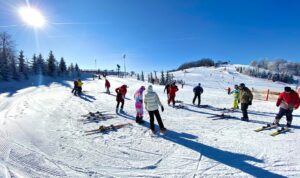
(152, 104)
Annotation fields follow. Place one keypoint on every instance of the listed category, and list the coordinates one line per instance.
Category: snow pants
(284, 112)
(171, 99)
(139, 109)
(199, 99)
(158, 118)
(235, 103)
(107, 90)
(244, 107)
(122, 103)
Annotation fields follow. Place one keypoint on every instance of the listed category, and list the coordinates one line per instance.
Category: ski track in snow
(42, 133)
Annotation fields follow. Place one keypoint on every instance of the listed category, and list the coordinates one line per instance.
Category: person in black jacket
(198, 90)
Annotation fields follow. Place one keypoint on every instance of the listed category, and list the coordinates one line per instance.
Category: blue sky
(158, 34)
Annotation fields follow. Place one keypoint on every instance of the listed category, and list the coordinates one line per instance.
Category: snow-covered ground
(42, 133)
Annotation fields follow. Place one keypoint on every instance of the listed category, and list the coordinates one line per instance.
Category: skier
(107, 86)
(151, 104)
(287, 101)
(138, 96)
(236, 94)
(79, 87)
(172, 93)
(198, 90)
(121, 92)
(75, 88)
(167, 89)
(245, 99)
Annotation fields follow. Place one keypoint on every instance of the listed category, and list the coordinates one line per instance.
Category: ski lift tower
(124, 56)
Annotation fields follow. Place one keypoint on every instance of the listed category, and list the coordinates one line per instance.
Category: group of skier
(77, 89)
(287, 101)
(151, 101)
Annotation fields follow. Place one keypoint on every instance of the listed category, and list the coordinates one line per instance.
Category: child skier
(151, 104)
(121, 92)
(107, 86)
(138, 96)
(287, 101)
(236, 94)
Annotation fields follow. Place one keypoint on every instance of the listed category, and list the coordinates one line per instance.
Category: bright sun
(32, 17)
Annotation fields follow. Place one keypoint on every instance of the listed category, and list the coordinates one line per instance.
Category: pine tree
(167, 78)
(162, 78)
(21, 60)
(71, 70)
(142, 76)
(6, 53)
(41, 66)
(138, 76)
(77, 71)
(51, 64)
(62, 67)
(34, 65)
(13, 69)
(151, 77)
(155, 76)
(26, 70)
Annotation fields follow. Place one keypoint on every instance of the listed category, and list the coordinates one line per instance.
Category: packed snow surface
(42, 132)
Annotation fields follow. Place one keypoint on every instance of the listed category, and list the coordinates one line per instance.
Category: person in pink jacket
(138, 96)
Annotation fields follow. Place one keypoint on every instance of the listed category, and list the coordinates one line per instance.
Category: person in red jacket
(121, 92)
(287, 101)
(107, 86)
(172, 93)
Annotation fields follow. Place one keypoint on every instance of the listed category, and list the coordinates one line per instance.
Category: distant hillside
(205, 62)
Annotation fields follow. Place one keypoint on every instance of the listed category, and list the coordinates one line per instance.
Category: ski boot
(163, 130)
(245, 119)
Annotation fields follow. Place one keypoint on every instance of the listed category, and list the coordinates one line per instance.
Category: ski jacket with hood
(246, 96)
(151, 100)
(173, 89)
(288, 100)
(107, 84)
(121, 92)
(198, 90)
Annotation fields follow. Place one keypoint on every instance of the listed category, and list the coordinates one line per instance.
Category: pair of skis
(105, 129)
(272, 126)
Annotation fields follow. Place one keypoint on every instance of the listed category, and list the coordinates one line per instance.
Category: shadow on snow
(234, 160)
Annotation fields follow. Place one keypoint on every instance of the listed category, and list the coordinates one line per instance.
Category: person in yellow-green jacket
(79, 85)
(236, 95)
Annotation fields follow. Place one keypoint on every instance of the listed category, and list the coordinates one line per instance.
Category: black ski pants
(122, 104)
(244, 108)
(199, 98)
(158, 118)
(285, 112)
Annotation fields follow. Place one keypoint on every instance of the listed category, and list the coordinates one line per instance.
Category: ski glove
(162, 109)
(250, 102)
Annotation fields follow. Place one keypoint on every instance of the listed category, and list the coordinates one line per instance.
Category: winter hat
(242, 85)
(287, 89)
(143, 87)
(150, 88)
(199, 84)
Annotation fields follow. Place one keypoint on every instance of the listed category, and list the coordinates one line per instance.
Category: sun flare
(32, 17)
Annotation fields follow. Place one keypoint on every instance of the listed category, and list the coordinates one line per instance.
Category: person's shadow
(86, 97)
(231, 159)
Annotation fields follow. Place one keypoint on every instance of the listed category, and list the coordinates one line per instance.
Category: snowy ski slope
(42, 133)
